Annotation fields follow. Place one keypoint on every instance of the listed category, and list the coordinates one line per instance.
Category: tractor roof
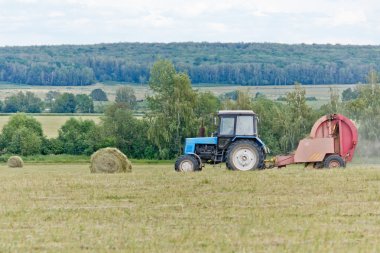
(236, 112)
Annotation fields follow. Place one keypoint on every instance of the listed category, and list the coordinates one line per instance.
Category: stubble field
(321, 92)
(64, 208)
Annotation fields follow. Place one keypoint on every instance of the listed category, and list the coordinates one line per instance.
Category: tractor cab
(235, 124)
(236, 143)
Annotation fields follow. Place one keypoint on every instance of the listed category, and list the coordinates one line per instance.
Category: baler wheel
(334, 161)
(245, 155)
(187, 163)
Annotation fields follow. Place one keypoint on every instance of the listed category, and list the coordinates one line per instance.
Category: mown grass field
(51, 123)
(64, 208)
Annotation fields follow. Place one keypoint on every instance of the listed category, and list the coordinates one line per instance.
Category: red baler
(331, 143)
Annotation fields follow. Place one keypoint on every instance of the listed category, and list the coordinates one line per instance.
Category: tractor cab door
(235, 125)
(226, 131)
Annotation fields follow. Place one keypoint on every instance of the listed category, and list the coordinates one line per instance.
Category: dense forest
(222, 63)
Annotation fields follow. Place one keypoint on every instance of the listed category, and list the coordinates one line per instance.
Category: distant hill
(222, 63)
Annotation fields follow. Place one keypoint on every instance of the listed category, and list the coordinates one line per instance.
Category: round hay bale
(15, 162)
(110, 160)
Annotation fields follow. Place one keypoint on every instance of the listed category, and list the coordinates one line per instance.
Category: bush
(65, 103)
(84, 103)
(22, 135)
(260, 95)
(52, 146)
(349, 94)
(77, 137)
(129, 134)
(311, 99)
(98, 95)
(126, 95)
(21, 102)
(232, 95)
(25, 143)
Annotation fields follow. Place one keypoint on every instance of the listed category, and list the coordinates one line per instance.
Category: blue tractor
(236, 143)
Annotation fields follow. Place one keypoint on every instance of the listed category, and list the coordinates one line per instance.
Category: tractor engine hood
(191, 142)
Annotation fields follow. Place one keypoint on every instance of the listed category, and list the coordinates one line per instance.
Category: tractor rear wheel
(334, 161)
(186, 163)
(245, 155)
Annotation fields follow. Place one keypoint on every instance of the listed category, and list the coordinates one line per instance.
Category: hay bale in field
(110, 160)
(15, 162)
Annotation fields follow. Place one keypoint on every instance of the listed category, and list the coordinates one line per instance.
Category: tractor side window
(227, 126)
(244, 125)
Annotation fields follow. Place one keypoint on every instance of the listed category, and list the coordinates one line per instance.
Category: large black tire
(334, 161)
(245, 155)
(187, 163)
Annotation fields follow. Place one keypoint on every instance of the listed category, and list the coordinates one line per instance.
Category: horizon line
(188, 42)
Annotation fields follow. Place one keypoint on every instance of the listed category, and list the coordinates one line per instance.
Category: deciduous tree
(98, 95)
(65, 103)
(84, 103)
(23, 102)
(22, 135)
(172, 104)
(126, 95)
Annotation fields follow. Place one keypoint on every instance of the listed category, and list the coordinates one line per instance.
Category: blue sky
(47, 22)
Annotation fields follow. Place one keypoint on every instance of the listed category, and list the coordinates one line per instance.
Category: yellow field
(64, 208)
(41, 91)
(51, 124)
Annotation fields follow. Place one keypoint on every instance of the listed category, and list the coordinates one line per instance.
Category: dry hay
(110, 160)
(15, 162)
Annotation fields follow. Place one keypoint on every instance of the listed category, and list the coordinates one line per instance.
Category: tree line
(220, 63)
(176, 111)
(57, 102)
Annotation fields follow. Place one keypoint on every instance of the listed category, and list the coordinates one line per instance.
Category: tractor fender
(257, 140)
(201, 165)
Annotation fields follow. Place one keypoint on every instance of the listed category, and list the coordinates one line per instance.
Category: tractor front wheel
(334, 161)
(245, 155)
(186, 163)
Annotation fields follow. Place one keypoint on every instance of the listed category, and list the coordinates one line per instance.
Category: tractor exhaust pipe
(202, 130)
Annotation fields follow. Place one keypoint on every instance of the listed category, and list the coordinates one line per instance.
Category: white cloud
(94, 21)
(218, 27)
(344, 18)
(195, 9)
(157, 20)
(56, 14)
